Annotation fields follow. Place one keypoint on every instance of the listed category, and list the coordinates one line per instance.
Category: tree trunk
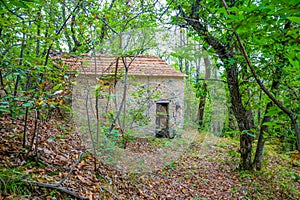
(207, 64)
(291, 114)
(264, 128)
(297, 132)
(201, 106)
(231, 122)
(242, 116)
(226, 54)
(202, 102)
(261, 141)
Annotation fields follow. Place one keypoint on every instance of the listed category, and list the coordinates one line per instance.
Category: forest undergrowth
(60, 166)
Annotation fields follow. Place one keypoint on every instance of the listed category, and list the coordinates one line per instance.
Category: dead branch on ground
(57, 185)
(53, 186)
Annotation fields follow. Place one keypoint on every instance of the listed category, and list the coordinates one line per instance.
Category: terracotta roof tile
(106, 64)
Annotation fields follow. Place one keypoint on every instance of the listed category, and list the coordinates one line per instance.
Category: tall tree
(203, 91)
(222, 30)
(196, 16)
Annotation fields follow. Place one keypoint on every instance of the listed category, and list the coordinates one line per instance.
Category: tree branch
(71, 170)
(265, 90)
(61, 28)
(53, 186)
(57, 185)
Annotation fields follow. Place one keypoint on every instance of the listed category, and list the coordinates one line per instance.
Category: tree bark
(226, 54)
(231, 121)
(264, 128)
(291, 115)
(181, 45)
(242, 116)
(201, 106)
(202, 102)
(261, 141)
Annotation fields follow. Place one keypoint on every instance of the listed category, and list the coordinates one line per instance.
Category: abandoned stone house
(151, 86)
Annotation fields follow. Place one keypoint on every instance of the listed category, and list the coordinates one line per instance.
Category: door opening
(162, 116)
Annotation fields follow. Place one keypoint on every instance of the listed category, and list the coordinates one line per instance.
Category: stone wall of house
(83, 101)
(171, 90)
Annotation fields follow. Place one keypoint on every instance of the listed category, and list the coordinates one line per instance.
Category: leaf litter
(203, 170)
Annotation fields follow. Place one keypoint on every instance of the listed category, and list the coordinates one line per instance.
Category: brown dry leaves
(198, 173)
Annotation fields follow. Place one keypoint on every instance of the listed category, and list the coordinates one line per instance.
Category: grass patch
(279, 177)
(11, 182)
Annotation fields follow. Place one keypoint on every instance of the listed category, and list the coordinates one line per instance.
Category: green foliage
(29, 81)
(171, 165)
(269, 31)
(33, 32)
(279, 171)
(200, 91)
(139, 99)
(162, 143)
(11, 182)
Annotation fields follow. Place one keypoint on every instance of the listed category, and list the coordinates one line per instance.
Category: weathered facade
(153, 89)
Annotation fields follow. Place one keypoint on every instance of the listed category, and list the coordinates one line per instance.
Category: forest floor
(61, 167)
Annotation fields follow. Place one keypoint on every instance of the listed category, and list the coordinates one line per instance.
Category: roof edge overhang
(143, 75)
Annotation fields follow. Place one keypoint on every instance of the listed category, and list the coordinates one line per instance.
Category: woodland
(241, 135)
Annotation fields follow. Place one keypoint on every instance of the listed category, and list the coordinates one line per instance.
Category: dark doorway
(162, 116)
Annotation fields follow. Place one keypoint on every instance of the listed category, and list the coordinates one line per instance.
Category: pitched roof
(101, 64)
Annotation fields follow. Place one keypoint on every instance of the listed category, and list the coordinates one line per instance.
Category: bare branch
(71, 170)
(61, 28)
(53, 186)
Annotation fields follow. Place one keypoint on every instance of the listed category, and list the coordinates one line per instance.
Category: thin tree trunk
(261, 141)
(264, 128)
(26, 113)
(123, 99)
(187, 64)
(97, 102)
(37, 50)
(76, 42)
(200, 115)
(198, 65)
(207, 63)
(66, 32)
(90, 130)
(297, 131)
(35, 133)
(180, 45)
(259, 112)
(21, 61)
